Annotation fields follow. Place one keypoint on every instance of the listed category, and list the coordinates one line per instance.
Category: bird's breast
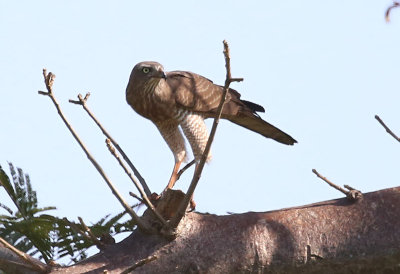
(153, 104)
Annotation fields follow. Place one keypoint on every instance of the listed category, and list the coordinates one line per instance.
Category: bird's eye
(146, 70)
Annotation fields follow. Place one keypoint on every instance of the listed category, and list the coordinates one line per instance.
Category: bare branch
(82, 101)
(25, 257)
(49, 80)
(387, 128)
(139, 188)
(326, 237)
(199, 167)
(138, 264)
(92, 237)
(137, 197)
(389, 9)
(352, 195)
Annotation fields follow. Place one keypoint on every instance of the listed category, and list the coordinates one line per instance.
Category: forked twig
(82, 101)
(352, 193)
(388, 130)
(144, 196)
(199, 167)
(49, 80)
(35, 265)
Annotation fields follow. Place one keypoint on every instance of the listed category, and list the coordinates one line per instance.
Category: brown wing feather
(193, 91)
(262, 127)
(199, 94)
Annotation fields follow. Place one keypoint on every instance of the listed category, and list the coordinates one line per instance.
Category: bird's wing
(193, 91)
(197, 93)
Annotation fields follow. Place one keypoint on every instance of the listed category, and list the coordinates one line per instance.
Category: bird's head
(148, 70)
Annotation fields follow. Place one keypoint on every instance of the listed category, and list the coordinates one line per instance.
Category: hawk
(182, 100)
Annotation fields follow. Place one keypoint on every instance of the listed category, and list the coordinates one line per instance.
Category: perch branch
(388, 130)
(139, 188)
(82, 101)
(139, 263)
(24, 256)
(352, 194)
(389, 9)
(49, 80)
(199, 167)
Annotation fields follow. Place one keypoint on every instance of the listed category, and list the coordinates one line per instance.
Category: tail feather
(256, 124)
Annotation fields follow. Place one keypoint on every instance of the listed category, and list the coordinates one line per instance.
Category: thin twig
(76, 228)
(137, 197)
(388, 130)
(25, 257)
(49, 80)
(93, 238)
(184, 169)
(139, 188)
(330, 183)
(82, 101)
(89, 236)
(389, 9)
(139, 263)
(353, 194)
(199, 167)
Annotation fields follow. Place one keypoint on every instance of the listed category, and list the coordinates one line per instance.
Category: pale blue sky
(321, 69)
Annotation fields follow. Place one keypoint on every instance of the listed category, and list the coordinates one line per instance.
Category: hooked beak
(161, 74)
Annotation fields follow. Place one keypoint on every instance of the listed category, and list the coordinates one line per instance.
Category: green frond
(5, 182)
(6, 208)
(34, 232)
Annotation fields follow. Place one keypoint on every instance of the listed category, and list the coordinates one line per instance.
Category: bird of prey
(182, 99)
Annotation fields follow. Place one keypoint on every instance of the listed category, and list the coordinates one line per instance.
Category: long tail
(256, 124)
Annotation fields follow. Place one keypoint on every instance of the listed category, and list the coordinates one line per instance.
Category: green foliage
(32, 231)
(27, 229)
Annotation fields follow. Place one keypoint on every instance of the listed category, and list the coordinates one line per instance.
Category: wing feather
(194, 92)
(199, 94)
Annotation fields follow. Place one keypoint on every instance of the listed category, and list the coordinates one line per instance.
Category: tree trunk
(336, 236)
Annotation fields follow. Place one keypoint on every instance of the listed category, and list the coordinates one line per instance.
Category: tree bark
(336, 236)
(10, 262)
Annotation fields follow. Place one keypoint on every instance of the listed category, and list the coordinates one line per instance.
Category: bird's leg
(174, 175)
(154, 197)
(174, 178)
